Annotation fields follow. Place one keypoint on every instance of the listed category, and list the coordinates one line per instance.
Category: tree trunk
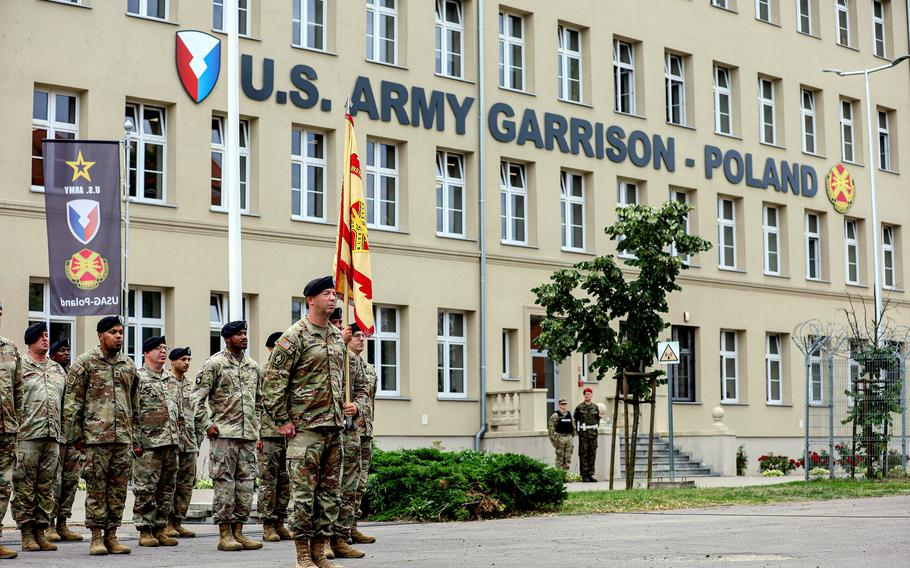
(636, 415)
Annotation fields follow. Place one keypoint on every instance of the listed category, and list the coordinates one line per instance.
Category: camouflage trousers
(7, 464)
(274, 486)
(37, 468)
(366, 460)
(564, 445)
(67, 483)
(587, 452)
(186, 481)
(350, 479)
(154, 481)
(314, 468)
(106, 472)
(232, 467)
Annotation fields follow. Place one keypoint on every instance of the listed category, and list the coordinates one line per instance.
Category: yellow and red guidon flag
(353, 274)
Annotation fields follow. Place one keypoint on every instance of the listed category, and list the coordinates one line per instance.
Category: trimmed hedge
(431, 485)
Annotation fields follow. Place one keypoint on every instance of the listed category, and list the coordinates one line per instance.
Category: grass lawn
(639, 500)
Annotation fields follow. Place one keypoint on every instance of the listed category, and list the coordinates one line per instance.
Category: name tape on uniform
(668, 352)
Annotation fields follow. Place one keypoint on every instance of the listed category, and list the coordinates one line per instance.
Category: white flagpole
(231, 179)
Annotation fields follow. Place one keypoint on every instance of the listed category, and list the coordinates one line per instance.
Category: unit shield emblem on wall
(198, 62)
(840, 188)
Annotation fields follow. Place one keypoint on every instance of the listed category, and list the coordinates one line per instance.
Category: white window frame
(675, 83)
(808, 121)
(851, 243)
(447, 340)
(378, 363)
(507, 41)
(816, 378)
(307, 164)
(373, 186)
(568, 202)
(244, 19)
(446, 187)
(884, 141)
(625, 188)
(564, 56)
(813, 247)
(139, 321)
(842, 22)
(243, 169)
(763, 6)
(44, 315)
(380, 12)
(723, 93)
(140, 139)
(724, 223)
(889, 272)
(847, 125)
(448, 51)
(53, 127)
(506, 353)
(774, 357)
(298, 306)
(303, 31)
(623, 68)
(223, 308)
(726, 355)
(142, 10)
(509, 195)
(770, 230)
(879, 40)
(681, 196)
(766, 103)
(804, 23)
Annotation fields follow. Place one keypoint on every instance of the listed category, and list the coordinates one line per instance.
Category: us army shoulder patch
(283, 343)
(199, 379)
(278, 358)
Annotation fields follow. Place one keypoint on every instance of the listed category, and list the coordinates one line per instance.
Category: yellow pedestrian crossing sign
(668, 352)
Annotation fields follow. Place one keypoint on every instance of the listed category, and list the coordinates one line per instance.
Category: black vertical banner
(82, 201)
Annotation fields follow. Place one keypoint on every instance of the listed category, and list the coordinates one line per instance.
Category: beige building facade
(497, 147)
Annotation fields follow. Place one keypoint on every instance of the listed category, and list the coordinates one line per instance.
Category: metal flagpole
(232, 166)
(345, 202)
(128, 128)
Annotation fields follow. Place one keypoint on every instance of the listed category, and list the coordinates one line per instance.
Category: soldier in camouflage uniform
(191, 433)
(99, 413)
(302, 391)
(10, 395)
(561, 429)
(229, 404)
(158, 439)
(365, 430)
(587, 419)
(40, 433)
(274, 486)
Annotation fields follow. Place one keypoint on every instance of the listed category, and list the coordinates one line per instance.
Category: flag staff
(128, 128)
(232, 167)
(349, 420)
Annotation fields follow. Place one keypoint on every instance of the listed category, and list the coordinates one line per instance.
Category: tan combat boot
(28, 538)
(283, 532)
(112, 544)
(226, 540)
(97, 548)
(6, 553)
(360, 538)
(41, 540)
(146, 538)
(268, 532)
(318, 553)
(170, 530)
(52, 535)
(329, 553)
(163, 539)
(342, 549)
(64, 532)
(181, 531)
(246, 543)
(304, 560)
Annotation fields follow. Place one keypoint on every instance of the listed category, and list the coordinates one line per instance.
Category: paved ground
(845, 533)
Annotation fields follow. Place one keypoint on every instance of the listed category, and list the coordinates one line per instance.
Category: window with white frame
(219, 201)
(723, 100)
(506, 354)
(774, 368)
(572, 201)
(243, 17)
(813, 247)
(382, 31)
(807, 112)
(847, 141)
(156, 9)
(449, 38)
(219, 315)
(842, 20)
(682, 377)
(298, 309)
(55, 115)
(384, 351)
(726, 233)
(145, 319)
(451, 350)
(624, 76)
(450, 203)
(851, 251)
(675, 83)
(308, 174)
(884, 141)
(767, 110)
(879, 46)
(148, 152)
(888, 258)
(729, 367)
(513, 200)
(771, 231)
(308, 24)
(720, 4)
(626, 194)
(681, 196)
(569, 63)
(763, 10)
(39, 310)
(816, 379)
(382, 184)
(804, 18)
(511, 51)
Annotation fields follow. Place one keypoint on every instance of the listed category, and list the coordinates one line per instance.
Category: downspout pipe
(482, 225)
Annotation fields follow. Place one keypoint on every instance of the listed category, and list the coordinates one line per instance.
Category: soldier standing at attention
(60, 353)
(336, 318)
(10, 395)
(157, 443)
(191, 433)
(70, 464)
(561, 428)
(229, 404)
(40, 433)
(274, 486)
(99, 414)
(587, 419)
(364, 429)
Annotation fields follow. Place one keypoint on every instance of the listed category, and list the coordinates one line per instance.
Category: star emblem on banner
(80, 167)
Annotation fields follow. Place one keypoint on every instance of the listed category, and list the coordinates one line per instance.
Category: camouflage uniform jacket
(41, 406)
(365, 416)
(159, 409)
(228, 395)
(10, 386)
(554, 419)
(587, 417)
(102, 399)
(192, 430)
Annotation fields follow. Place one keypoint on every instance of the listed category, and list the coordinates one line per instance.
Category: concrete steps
(684, 464)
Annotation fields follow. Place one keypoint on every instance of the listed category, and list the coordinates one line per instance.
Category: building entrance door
(544, 373)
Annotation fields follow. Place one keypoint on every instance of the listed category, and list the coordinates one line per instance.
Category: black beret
(318, 285)
(270, 342)
(232, 328)
(152, 343)
(108, 323)
(59, 344)
(34, 331)
(178, 352)
(336, 315)
(354, 328)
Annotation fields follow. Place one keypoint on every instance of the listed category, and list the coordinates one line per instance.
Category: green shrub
(430, 485)
(742, 461)
(772, 473)
(204, 483)
(819, 473)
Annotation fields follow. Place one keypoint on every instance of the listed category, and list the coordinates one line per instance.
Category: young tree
(592, 308)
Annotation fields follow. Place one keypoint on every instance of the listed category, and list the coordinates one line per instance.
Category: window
(219, 198)
(308, 24)
(513, 202)
(243, 17)
(720, 4)
(382, 185)
(851, 251)
(675, 79)
(506, 348)
(807, 111)
(450, 180)
(729, 367)
(771, 230)
(804, 16)
(682, 196)
(382, 31)
(813, 247)
(451, 350)
(723, 100)
(767, 111)
(774, 368)
(842, 17)
(847, 141)
(569, 63)
(39, 309)
(879, 47)
(156, 9)
(511, 51)
(219, 315)
(726, 233)
(298, 309)
(682, 376)
(145, 318)
(384, 351)
(626, 194)
(572, 200)
(816, 381)
(148, 152)
(624, 76)
(54, 116)
(888, 259)
(763, 10)
(884, 141)
(308, 166)
(449, 38)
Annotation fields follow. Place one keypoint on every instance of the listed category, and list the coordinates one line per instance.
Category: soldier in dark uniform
(587, 419)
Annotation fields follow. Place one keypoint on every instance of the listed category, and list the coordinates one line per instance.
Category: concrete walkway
(699, 482)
